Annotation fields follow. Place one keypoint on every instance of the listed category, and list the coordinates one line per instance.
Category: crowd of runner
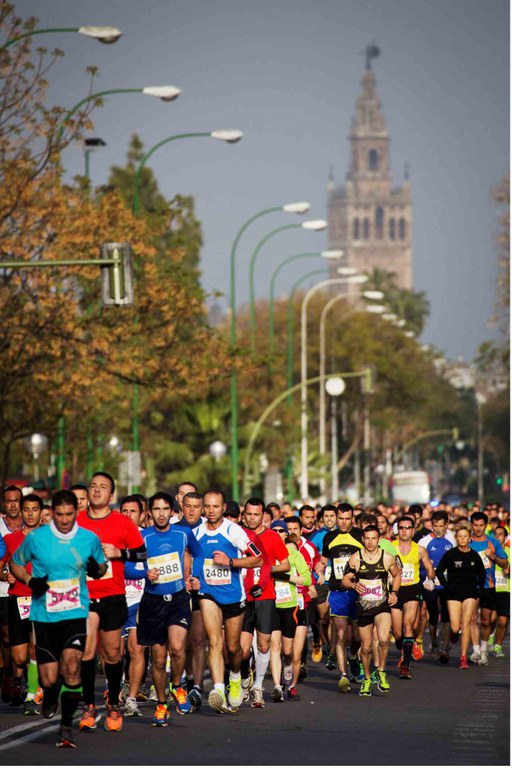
(154, 595)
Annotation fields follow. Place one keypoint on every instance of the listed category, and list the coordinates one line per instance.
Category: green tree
(409, 305)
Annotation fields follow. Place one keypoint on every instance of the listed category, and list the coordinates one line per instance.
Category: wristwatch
(230, 562)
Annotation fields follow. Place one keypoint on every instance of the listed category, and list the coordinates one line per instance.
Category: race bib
(338, 564)
(216, 575)
(485, 560)
(168, 566)
(107, 575)
(257, 574)
(407, 574)
(373, 591)
(24, 604)
(327, 573)
(63, 596)
(283, 593)
(300, 601)
(134, 590)
(502, 581)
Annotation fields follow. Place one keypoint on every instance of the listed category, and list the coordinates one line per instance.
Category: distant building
(369, 219)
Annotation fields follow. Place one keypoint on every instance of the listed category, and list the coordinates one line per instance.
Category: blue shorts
(131, 619)
(343, 604)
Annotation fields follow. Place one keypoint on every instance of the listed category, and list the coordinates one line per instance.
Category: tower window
(401, 229)
(366, 229)
(379, 223)
(355, 230)
(392, 229)
(373, 160)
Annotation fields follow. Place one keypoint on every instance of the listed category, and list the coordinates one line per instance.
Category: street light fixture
(347, 271)
(334, 386)
(105, 35)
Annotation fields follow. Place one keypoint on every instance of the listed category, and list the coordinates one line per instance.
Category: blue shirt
(436, 549)
(166, 551)
(224, 584)
(61, 558)
(493, 544)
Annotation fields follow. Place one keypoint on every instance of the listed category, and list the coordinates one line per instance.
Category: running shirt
(338, 547)
(262, 575)
(374, 578)
(61, 558)
(410, 564)
(4, 531)
(435, 548)
(462, 573)
(224, 584)
(312, 556)
(12, 541)
(116, 529)
(488, 542)
(502, 578)
(277, 552)
(318, 538)
(166, 552)
(286, 592)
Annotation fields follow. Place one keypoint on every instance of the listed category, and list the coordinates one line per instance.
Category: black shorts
(4, 611)
(302, 618)
(194, 601)
(365, 619)
(159, 612)
(311, 613)
(112, 611)
(503, 604)
(259, 615)
(435, 601)
(408, 594)
(461, 594)
(229, 610)
(322, 591)
(53, 637)
(19, 629)
(286, 620)
(488, 599)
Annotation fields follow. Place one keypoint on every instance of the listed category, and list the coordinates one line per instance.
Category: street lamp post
(301, 207)
(102, 34)
(351, 280)
(480, 402)
(334, 386)
(315, 225)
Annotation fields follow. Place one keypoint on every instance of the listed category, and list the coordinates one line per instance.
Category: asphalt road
(443, 716)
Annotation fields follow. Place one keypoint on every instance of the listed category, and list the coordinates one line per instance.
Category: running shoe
(463, 663)
(434, 652)
(484, 659)
(316, 653)
(277, 695)
(246, 687)
(17, 697)
(490, 643)
(30, 709)
(293, 694)
(344, 684)
(114, 718)
(382, 681)
(400, 663)
(475, 657)
(160, 716)
(88, 720)
(196, 697)
(152, 694)
(217, 701)
(287, 674)
(454, 637)
(181, 702)
(303, 672)
(131, 708)
(405, 672)
(141, 695)
(374, 677)
(353, 663)
(38, 698)
(331, 662)
(65, 738)
(50, 704)
(417, 651)
(6, 689)
(360, 674)
(366, 687)
(498, 652)
(444, 656)
(235, 693)
(257, 698)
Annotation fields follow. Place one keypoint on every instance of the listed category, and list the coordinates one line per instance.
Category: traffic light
(117, 274)
(499, 480)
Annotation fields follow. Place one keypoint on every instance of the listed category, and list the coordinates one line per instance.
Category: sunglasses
(279, 530)
(404, 527)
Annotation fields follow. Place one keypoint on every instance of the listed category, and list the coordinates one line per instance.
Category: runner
(259, 584)
(82, 496)
(10, 522)
(338, 546)
(183, 488)
(164, 616)
(492, 554)
(404, 612)
(502, 595)
(121, 541)
(20, 597)
(61, 555)
(463, 576)
(321, 622)
(222, 595)
(367, 572)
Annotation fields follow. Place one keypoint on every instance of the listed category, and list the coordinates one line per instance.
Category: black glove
(38, 585)
(281, 576)
(256, 590)
(93, 568)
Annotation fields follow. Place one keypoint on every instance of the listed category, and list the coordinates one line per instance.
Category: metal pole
(366, 447)
(334, 452)
(61, 449)
(480, 452)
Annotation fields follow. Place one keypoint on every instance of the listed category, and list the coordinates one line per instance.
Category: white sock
(234, 676)
(262, 660)
(483, 646)
(476, 648)
(220, 687)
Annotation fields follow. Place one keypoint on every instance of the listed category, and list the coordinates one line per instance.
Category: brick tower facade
(369, 219)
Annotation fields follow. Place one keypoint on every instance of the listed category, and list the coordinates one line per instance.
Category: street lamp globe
(164, 92)
(316, 225)
(335, 386)
(334, 255)
(105, 35)
(347, 271)
(217, 450)
(301, 207)
(231, 137)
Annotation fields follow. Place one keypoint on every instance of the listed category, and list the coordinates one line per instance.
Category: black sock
(408, 643)
(88, 675)
(399, 643)
(316, 633)
(51, 694)
(304, 654)
(69, 701)
(127, 666)
(244, 668)
(146, 664)
(114, 674)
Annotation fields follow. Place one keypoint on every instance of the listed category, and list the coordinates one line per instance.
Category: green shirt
(286, 592)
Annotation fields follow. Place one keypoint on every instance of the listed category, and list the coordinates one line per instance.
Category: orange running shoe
(39, 696)
(89, 718)
(114, 719)
(417, 651)
(161, 716)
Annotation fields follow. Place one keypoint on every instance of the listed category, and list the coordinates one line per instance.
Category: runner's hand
(38, 585)
(92, 568)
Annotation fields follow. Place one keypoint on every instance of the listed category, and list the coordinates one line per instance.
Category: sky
(287, 73)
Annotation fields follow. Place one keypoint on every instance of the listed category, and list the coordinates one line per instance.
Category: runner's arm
(427, 562)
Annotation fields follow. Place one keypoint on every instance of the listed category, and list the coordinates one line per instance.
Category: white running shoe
(484, 659)
(475, 657)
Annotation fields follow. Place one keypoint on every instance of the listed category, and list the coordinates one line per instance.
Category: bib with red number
(373, 590)
(168, 565)
(407, 574)
(283, 593)
(63, 596)
(24, 604)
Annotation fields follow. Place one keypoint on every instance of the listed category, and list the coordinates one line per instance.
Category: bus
(410, 487)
